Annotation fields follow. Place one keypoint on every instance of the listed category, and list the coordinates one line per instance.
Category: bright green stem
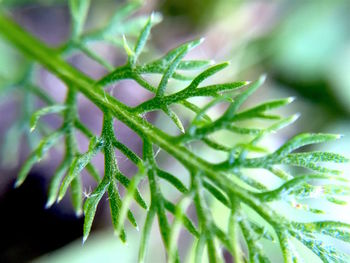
(50, 59)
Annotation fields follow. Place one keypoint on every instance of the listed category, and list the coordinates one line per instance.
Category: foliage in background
(290, 48)
(198, 13)
(246, 197)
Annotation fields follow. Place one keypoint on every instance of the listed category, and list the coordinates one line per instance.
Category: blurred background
(303, 47)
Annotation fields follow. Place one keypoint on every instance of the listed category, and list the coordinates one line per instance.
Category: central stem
(50, 59)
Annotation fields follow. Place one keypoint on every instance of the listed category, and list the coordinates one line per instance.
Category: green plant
(252, 213)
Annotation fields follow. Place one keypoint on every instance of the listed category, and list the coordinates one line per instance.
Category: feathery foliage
(245, 196)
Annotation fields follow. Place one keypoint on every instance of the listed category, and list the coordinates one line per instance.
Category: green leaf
(93, 56)
(172, 180)
(335, 229)
(194, 108)
(194, 64)
(128, 50)
(141, 41)
(115, 203)
(303, 140)
(245, 195)
(43, 111)
(255, 112)
(293, 185)
(177, 57)
(252, 182)
(27, 166)
(130, 191)
(199, 248)
(125, 181)
(243, 130)
(206, 74)
(325, 252)
(197, 119)
(216, 193)
(215, 145)
(280, 173)
(90, 206)
(275, 127)
(287, 247)
(261, 231)
(159, 67)
(55, 182)
(223, 237)
(144, 242)
(174, 118)
(256, 254)
(304, 160)
(118, 25)
(217, 89)
(44, 145)
(77, 195)
(79, 164)
(166, 60)
(93, 172)
(316, 157)
(242, 97)
(123, 12)
(180, 209)
(79, 10)
(233, 231)
(126, 151)
(188, 224)
(336, 201)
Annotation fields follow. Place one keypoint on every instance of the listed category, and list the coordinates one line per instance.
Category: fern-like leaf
(245, 195)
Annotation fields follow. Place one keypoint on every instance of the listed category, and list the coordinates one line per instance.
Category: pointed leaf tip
(49, 203)
(156, 18)
(262, 78)
(196, 43)
(85, 237)
(339, 136)
(79, 213)
(18, 183)
(291, 99)
(296, 116)
(127, 49)
(60, 197)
